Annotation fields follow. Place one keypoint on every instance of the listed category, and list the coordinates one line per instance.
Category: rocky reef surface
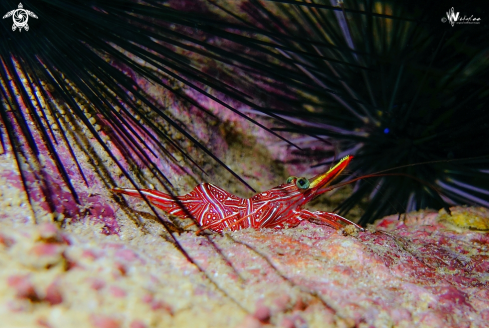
(423, 270)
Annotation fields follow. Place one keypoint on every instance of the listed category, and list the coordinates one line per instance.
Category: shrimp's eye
(302, 183)
(290, 179)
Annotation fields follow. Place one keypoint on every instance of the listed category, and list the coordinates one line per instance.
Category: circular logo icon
(443, 20)
(20, 17)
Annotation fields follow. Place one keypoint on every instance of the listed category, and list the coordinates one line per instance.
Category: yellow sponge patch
(468, 218)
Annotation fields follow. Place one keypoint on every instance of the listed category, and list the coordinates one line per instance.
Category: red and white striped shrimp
(216, 209)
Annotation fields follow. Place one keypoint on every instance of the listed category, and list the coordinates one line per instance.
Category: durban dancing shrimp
(216, 209)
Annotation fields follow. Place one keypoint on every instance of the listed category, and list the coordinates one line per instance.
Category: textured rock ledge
(424, 270)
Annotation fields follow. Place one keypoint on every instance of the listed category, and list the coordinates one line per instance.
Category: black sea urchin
(394, 83)
(386, 81)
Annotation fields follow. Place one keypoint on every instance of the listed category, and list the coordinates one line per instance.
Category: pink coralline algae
(418, 270)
